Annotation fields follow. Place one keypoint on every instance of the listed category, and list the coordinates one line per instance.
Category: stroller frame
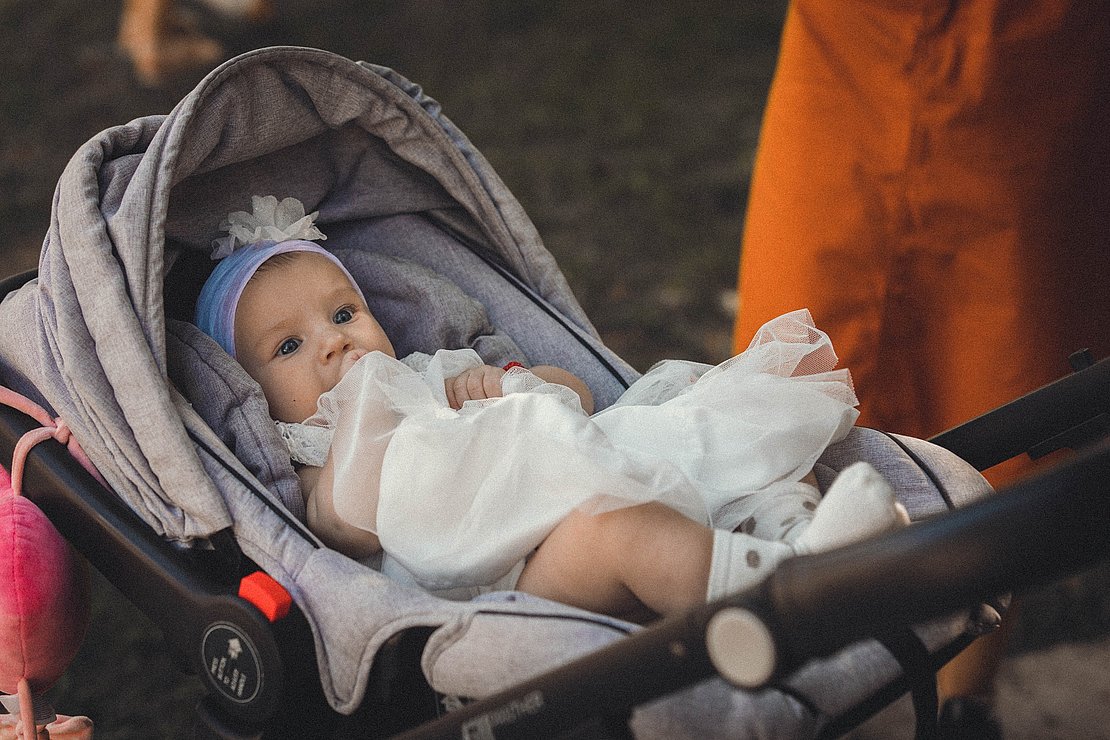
(810, 607)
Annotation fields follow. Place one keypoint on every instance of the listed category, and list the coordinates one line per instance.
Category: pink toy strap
(51, 428)
(26, 707)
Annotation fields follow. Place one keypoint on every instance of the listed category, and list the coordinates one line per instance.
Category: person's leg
(953, 157)
(645, 558)
(817, 232)
(161, 41)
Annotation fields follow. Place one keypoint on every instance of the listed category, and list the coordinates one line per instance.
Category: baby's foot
(859, 504)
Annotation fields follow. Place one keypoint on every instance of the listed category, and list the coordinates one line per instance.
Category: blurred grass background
(626, 130)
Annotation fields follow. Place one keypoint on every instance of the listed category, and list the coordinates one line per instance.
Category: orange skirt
(933, 183)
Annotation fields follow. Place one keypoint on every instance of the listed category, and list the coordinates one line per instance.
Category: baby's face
(300, 325)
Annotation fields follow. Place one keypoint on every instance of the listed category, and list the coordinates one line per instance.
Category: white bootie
(859, 504)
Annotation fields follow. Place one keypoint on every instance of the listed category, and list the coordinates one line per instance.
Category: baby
(475, 478)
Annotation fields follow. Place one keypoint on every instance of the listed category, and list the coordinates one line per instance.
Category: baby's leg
(652, 556)
(623, 560)
(645, 556)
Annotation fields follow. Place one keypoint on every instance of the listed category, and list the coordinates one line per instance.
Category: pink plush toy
(44, 599)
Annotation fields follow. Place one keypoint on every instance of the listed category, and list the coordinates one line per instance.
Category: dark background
(627, 133)
(626, 130)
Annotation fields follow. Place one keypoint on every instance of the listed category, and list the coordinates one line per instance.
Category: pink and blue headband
(219, 298)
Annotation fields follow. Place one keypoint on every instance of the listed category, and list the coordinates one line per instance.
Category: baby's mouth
(350, 359)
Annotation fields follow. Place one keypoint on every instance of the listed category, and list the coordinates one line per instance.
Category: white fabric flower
(270, 220)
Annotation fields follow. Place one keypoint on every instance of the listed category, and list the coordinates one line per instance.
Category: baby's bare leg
(623, 560)
(652, 556)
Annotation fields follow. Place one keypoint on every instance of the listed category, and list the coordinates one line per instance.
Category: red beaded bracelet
(511, 365)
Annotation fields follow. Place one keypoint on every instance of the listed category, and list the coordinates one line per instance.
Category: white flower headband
(273, 228)
(271, 220)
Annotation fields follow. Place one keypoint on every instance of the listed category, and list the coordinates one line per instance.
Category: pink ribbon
(55, 428)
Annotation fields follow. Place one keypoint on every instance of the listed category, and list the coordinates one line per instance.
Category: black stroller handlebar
(1009, 542)
(1069, 412)
(191, 594)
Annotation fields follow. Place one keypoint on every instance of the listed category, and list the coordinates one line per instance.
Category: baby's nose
(336, 343)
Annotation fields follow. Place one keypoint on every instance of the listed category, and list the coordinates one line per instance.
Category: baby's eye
(343, 315)
(288, 347)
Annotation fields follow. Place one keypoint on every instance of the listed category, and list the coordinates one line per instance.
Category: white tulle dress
(459, 499)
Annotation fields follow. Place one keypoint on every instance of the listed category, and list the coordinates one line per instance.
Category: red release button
(268, 595)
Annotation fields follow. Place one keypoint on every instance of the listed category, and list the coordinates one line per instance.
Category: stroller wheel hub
(740, 647)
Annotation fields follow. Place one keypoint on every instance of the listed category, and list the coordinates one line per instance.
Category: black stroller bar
(1008, 542)
(175, 585)
(1067, 413)
(813, 605)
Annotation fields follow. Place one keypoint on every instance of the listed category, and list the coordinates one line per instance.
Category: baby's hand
(474, 385)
